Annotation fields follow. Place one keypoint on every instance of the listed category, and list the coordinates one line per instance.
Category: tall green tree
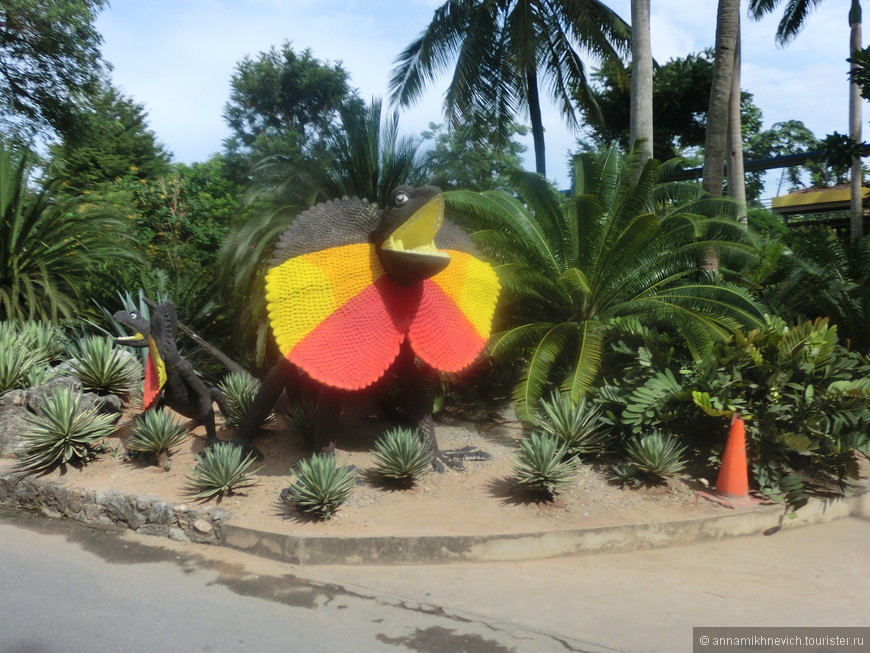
(112, 141)
(793, 19)
(623, 249)
(50, 244)
(49, 56)
(282, 91)
(504, 51)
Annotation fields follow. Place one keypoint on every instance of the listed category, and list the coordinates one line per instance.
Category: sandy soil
(482, 499)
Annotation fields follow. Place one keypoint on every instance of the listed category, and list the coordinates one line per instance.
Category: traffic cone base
(732, 484)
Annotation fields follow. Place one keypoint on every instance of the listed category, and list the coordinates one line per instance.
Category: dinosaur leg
(418, 393)
(270, 389)
(327, 419)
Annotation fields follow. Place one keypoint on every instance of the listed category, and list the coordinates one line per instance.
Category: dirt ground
(482, 499)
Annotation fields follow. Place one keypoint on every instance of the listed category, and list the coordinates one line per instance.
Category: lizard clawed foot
(454, 458)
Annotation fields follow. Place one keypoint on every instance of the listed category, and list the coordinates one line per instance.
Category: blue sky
(176, 57)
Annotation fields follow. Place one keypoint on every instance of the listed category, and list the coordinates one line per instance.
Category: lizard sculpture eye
(400, 198)
(134, 315)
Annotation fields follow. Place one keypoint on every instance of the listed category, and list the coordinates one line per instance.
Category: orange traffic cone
(732, 484)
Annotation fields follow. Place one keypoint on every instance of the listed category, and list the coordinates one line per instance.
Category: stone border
(144, 513)
(150, 516)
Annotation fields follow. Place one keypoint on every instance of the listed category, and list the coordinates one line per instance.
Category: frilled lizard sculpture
(170, 380)
(355, 293)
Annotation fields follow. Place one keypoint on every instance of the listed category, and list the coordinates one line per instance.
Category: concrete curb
(148, 515)
(526, 546)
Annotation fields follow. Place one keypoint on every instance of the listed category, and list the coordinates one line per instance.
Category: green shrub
(46, 341)
(402, 454)
(156, 432)
(220, 471)
(577, 425)
(321, 486)
(658, 456)
(102, 368)
(63, 434)
(239, 390)
(541, 463)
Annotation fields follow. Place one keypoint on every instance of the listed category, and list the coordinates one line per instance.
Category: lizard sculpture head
(405, 235)
(136, 322)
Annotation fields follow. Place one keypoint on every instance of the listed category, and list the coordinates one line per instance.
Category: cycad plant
(157, 433)
(622, 246)
(321, 486)
(221, 471)
(576, 424)
(401, 454)
(102, 368)
(52, 243)
(542, 463)
(239, 390)
(659, 456)
(63, 433)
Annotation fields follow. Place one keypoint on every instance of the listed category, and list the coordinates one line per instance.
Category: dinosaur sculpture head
(405, 235)
(140, 326)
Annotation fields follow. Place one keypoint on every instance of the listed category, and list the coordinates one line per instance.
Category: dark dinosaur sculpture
(170, 380)
(357, 295)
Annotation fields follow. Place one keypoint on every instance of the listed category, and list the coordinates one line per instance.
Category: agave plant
(622, 246)
(239, 390)
(624, 474)
(102, 368)
(301, 418)
(16, 361)
(542, 465)
(402, 454)
(576, 424)
(657, 455)
(156, 432)
(321, 486)
(63, 433)
(221, 471)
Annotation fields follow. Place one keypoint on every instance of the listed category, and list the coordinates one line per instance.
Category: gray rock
(109, 404)
(12, 424)
(161, 530)
(160, 513)
(178, 535)
(14, 398)
(36, 396)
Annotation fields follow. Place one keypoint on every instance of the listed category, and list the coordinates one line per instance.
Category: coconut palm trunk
(736, 178)
(857, 179)
(641, 119)
(716, 142)
(534, 100)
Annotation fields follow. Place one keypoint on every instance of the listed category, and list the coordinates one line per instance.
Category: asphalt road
(66, 587)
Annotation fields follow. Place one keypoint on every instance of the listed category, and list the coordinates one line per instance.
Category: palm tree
(50, 243)
(793, 18)
(622, 249)
(504, 50)
(641, 122)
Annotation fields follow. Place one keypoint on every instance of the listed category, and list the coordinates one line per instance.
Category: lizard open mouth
(409, 253)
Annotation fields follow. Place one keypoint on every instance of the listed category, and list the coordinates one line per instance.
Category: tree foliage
(504, 52)
(472, 156)
(49, 57)
(284, 91)
(112, 141)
